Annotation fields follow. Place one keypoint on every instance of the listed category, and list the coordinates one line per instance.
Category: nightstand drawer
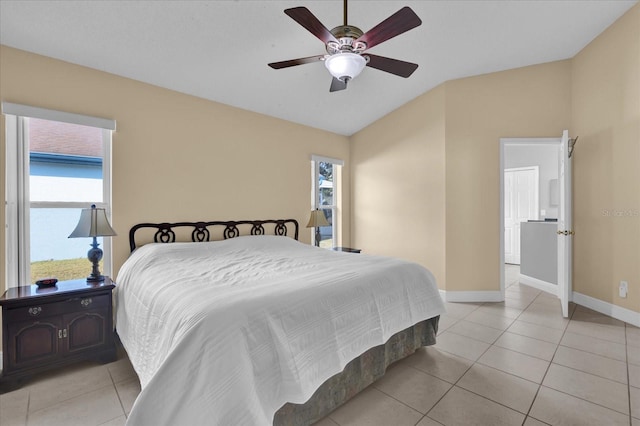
(87, 302)
(32, 312)
(44, 310)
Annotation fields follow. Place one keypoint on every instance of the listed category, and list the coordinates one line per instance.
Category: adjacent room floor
(512, 363)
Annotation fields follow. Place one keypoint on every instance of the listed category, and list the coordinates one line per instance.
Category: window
(326, 196)
(57, 164)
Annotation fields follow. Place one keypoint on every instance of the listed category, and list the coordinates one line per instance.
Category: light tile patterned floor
(512, 363)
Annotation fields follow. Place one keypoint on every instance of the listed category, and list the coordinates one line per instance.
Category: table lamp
(93, 223)
(316, 220)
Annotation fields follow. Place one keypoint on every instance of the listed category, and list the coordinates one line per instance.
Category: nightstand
(347, 249)
(46, 328)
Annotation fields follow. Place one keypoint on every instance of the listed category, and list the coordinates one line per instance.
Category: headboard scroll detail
(201, 232)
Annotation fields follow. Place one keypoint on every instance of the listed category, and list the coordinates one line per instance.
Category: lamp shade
(345, 66)
(317, 219)
(93, 223)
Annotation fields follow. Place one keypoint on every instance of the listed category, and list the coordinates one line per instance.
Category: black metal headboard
(201, 231)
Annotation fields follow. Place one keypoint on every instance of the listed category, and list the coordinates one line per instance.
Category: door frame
(504, 142)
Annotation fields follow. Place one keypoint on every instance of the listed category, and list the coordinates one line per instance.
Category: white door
(521, 199)
(565, 234)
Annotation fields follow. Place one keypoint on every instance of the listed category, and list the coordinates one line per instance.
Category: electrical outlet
(623, 288)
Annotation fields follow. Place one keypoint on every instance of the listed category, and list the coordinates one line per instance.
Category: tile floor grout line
(524, 353)
(599, 338)
(26, 417)
(594, 353)
(548, 366)
(591, 374)
(495, 402)
(426, 417)
(65, 401)
(535, 338)
(115, 388)
(586, 400)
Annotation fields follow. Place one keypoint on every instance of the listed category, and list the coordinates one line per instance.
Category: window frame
(315, 194)
(18, 203)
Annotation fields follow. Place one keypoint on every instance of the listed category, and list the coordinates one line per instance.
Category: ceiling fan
(346, 44)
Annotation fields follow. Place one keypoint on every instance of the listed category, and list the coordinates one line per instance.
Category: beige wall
(437, 160)
(595, 95)
(606, 117)
(178, 157)
(533, 101)
(397, 192)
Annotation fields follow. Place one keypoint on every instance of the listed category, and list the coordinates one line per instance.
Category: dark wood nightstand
(46, 328)
(347, 249)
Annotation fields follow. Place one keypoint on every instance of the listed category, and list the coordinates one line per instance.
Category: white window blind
(49, 114)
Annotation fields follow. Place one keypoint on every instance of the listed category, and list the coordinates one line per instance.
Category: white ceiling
(219, 50)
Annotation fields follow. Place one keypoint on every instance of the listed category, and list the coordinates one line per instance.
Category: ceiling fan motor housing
(346, 36)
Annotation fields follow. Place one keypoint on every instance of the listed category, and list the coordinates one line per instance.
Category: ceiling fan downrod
(345, 13)
(346, 36)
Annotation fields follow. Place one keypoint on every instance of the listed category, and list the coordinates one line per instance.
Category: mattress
(227, 332)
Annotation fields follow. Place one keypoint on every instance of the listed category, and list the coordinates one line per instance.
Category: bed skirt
(357, 375)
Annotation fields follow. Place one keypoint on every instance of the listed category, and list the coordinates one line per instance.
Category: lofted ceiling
(219, 50)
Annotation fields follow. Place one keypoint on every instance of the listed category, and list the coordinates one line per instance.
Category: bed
(244, 325)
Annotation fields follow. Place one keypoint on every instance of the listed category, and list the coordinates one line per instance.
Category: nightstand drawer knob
(86, 302)
(35, 311)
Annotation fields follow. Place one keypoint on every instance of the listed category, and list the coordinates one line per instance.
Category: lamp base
(94, 255)
(95, 278)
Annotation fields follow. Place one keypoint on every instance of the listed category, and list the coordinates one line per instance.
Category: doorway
(524, 204)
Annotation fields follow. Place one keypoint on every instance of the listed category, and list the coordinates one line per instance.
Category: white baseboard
(614, 311)
(471, 296)
(539, 284)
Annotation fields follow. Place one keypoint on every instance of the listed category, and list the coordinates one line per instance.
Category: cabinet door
(86, 330)
(34, 342)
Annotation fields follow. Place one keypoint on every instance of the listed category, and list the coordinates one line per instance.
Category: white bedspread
(225, 333)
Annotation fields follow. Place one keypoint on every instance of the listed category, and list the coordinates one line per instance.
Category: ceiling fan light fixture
(345, 66)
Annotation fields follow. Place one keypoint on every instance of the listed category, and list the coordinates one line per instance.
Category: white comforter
(225, 333)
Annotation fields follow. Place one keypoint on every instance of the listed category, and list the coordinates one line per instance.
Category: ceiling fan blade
(304, 17)
(294, 62)
(393, 66)
(337, 84)
(396, 24)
